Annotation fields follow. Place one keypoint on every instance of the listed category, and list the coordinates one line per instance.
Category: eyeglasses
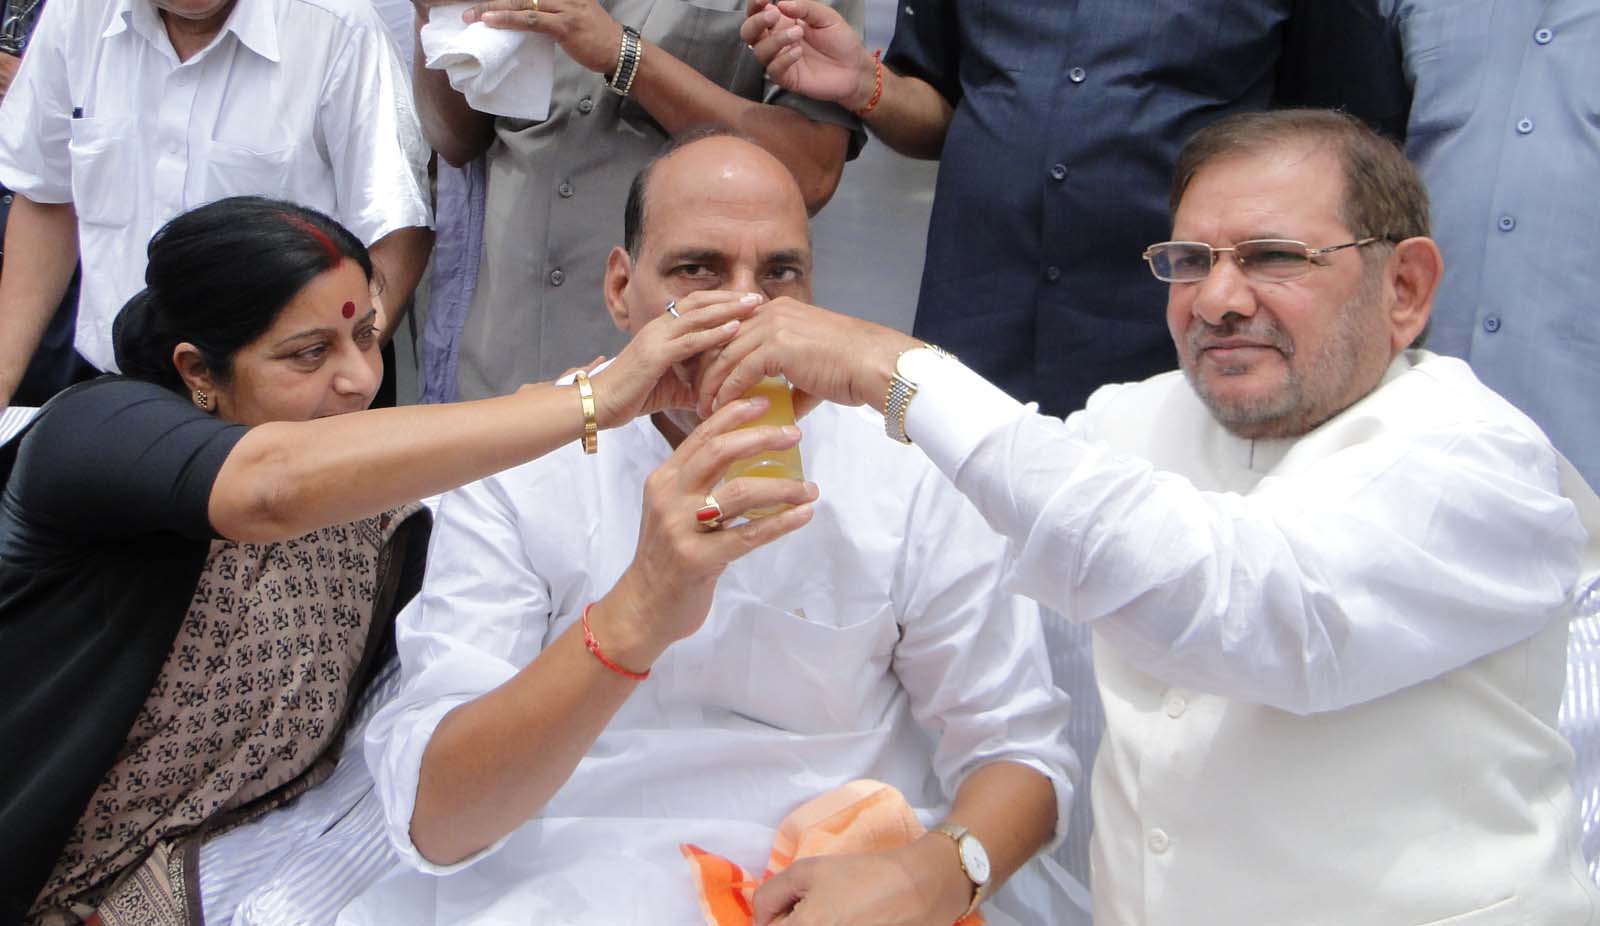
(1267, 260)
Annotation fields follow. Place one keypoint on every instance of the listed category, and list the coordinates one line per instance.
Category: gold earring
(202, 400)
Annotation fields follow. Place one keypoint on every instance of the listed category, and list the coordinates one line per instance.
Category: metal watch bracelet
(901, 391)
(621, 81)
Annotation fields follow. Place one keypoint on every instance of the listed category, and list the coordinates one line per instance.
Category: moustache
(1236, 330)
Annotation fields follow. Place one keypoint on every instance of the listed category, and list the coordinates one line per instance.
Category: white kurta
(1330, 666)
(875, 642)
(303, 100)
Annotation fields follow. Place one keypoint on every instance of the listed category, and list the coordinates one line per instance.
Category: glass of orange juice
(775, 464)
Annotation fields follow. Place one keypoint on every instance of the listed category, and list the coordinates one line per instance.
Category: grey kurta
(556, 191)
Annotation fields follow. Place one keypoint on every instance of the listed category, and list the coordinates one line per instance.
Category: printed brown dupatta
(244, 716)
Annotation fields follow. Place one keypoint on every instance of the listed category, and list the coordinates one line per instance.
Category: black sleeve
(116, 458)
(927, 45)
(1346, 54)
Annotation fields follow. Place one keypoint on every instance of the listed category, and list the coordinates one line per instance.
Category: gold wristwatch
(909, 370)
(974, 860)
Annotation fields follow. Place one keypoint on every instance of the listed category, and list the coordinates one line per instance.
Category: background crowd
(486, 240)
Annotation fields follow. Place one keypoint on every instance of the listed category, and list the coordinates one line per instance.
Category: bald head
(715, 162)
(712, 213)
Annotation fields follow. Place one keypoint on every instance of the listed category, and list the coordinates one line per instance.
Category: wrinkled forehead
(727, 231)
(1289, 191)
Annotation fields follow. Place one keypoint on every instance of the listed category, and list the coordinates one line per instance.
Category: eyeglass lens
(1189, 262)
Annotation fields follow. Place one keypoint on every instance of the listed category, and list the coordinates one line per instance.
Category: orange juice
(777, 464)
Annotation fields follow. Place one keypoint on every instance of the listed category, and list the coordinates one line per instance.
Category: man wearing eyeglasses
(1328, 574)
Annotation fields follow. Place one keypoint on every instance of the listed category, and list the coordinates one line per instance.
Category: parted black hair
(218, 276)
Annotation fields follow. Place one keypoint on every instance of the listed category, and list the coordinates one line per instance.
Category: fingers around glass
(706, 464)
(738, 498)
(708, 517)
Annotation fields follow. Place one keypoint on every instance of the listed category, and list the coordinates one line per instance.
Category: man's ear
(619, 271)
(1415, 269)
(192, 368)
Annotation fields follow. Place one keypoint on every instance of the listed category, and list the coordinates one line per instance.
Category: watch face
(913, 364)
(975, 860)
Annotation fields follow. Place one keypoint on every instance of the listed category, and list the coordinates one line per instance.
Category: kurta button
(1058, 172)
(6, 199)
(1158, 842)
(1507, 223)
(586, 105)
(1525, 126)
(1077, 75)
(1052, 273)
(1491, 324)
(1176, 705)
(1543, 36)
(565, 189)
(557, 277)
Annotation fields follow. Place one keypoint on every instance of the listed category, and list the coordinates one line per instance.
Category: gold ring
(708, 517)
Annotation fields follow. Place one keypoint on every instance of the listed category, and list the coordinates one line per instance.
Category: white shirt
(302, 100)
(874, 642)
(1327, 663)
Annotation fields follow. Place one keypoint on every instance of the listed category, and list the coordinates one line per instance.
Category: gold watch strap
(957, 832)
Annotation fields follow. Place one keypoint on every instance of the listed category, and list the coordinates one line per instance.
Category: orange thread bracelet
(877, 84)
(594, 647)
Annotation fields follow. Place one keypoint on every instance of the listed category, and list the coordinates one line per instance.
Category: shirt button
(1052, 273)
(557, 277)
(1158, 842)
(1525, 126)
(565, 189)
(1077, 75)
(1176, 705)
(1543, 36)
(1058, 172)
(1506, 223)
(1491, 324)
(586, 105)
(6, 199)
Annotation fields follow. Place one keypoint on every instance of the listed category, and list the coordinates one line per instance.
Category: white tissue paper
(503, 72)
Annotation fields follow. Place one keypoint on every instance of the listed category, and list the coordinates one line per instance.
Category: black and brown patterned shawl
(244, 715)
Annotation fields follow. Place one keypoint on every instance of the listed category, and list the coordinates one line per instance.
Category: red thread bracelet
(594, 647)
(877, 84)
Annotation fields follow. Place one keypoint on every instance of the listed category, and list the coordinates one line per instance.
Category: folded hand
(920, 884)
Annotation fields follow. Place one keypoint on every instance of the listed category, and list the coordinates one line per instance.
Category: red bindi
(349, 310)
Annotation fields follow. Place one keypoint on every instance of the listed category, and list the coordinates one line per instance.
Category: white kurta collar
(251, 22)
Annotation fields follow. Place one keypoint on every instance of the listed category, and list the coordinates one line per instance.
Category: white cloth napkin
(500, 71)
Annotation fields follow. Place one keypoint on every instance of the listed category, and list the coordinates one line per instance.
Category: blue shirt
(1055, 172)
(1506, 129)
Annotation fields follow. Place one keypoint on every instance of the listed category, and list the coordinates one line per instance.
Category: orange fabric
(862, 816)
